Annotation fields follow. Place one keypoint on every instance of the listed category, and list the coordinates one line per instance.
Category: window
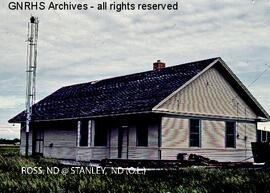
(230, 134)
(263, 136)
(84, 133)
(194, 133)
(142, 135)
(100, 135)
(259, 135)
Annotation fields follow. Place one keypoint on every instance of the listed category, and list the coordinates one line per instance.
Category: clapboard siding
(114, 137)
(91, 153)
(153, 134)
(63, 140)
(209, 94)
(175, 139)
(134, 152)
(150, 152)
(175, 132)
(124, 146)
(60, 141)
(143, 153)
(60, 137)
(132, 136)
(60, 152)
(213, 134)
(248, 130)
(113, 151)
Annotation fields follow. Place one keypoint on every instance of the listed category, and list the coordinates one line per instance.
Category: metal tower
(31, 66)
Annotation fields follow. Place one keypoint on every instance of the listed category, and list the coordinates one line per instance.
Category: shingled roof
(133, 93)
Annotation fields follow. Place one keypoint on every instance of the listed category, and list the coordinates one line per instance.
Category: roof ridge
(137, 73)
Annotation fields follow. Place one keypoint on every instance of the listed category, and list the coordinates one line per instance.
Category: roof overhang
(89, 117)
(262, 112)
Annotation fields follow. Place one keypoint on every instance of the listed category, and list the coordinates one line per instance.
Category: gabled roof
(233, 80)
(135, 93)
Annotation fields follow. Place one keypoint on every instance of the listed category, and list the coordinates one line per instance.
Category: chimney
(158, 65)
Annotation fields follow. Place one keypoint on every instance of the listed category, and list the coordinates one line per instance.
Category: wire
(259, 76)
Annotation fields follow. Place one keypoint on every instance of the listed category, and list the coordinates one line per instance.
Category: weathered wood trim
(109, 142)
(93, 127)
(127, 141)
(78, 133)
(89, 133)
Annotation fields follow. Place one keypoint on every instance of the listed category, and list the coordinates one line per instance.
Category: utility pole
(31, 66)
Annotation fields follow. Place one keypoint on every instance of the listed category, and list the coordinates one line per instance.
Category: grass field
(186, 180)
(10, 150)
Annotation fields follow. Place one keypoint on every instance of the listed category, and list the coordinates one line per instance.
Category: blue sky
(80, 46)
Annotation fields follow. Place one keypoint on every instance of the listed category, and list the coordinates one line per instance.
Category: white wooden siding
(149, 152)
(175, 132)
(124, 145)
(63, 140)
(60, 152)
(132, 136)
(60, 137)
(91, 153)
(143, 153)
(114, 143)
(134, 152)
(153, 134)
(213, 134)
(65, 147)
(175, 139)
(248, 130)
(209, 94)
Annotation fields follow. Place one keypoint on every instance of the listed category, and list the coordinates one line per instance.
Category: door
(123, 142)
(38, 141)
(120, 142)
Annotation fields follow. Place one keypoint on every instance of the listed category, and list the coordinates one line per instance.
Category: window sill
(92, 147)
(193, 147)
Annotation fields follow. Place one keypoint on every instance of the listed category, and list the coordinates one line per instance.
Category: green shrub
(197, 180)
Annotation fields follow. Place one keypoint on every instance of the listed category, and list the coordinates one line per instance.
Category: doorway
(123, 142)
(38, 141)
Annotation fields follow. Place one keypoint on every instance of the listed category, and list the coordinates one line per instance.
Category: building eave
(204, 116)
(267, 116)
(89, 117)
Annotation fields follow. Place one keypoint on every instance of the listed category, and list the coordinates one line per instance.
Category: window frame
(264, 134)
(141, 127)
(259, 135)
(84, 126)
(100, 128)
(199, 133)
(234, 135)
